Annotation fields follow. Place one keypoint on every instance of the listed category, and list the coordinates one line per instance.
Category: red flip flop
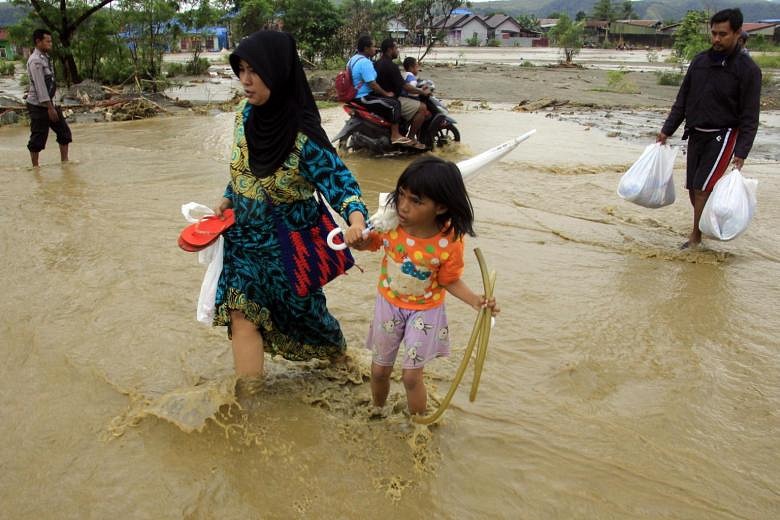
(193, 249)
(205, 231)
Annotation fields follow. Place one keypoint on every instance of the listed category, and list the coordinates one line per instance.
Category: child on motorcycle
(411, 70)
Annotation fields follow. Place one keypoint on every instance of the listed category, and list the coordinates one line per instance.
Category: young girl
(423, 261)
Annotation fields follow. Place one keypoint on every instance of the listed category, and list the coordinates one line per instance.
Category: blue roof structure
(221, 33)
(11, 14)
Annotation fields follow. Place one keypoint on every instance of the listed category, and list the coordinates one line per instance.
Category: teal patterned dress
(253, 278)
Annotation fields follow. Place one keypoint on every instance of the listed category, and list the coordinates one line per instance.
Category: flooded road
(640, 59)
(625, 379)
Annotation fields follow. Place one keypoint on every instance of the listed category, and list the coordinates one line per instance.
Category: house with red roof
(769, 30)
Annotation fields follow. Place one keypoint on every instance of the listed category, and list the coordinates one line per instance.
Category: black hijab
(272, 127)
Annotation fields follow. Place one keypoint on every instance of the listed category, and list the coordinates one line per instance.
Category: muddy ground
(577, 86)
(532, 87)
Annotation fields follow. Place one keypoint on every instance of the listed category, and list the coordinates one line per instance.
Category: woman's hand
(362, 243)
(353, 236)
(223, 205)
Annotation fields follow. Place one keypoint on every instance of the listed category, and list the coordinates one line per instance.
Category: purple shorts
(425, 334)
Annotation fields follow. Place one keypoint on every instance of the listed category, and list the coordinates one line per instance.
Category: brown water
(625, 379)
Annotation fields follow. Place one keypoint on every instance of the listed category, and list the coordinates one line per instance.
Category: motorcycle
(365, 130)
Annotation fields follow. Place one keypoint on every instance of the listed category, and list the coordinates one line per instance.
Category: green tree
(97, 49)
(149, 31)
(63, 18)
(604, 10)
(253, 15)
(627, 10)
(568, 36)
(691, 37)
(382, 11)
(581, 15)
(197, 20)
(528, 21)
(313, 24)
(356, 15)
(363, 17)
(428, 17)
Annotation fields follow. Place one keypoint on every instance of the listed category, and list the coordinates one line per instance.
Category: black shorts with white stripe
(709, 155)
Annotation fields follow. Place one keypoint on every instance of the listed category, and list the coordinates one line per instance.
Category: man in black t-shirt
(719, 100)
(388, 76)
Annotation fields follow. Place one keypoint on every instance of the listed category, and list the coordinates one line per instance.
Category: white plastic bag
(730, 206)
(649, 181)
(212, 258)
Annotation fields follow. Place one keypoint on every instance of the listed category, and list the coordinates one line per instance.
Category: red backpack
(345, 90)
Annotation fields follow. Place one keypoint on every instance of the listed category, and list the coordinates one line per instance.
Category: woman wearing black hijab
(280, 156)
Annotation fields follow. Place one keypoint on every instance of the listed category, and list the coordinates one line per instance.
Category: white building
(461, 28)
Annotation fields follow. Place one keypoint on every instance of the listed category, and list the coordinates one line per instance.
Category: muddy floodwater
(624, 379)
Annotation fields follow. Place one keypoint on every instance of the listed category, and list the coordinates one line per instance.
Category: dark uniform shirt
(719, 91)
(388, 75)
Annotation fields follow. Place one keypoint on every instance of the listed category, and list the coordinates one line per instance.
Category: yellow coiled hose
(480, 335)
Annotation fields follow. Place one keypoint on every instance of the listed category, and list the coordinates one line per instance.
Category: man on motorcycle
(390, 78)
(372, 96)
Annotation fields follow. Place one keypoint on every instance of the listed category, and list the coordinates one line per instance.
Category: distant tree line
(114, 41)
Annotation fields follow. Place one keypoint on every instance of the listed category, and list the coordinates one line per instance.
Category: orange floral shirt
(415, 270)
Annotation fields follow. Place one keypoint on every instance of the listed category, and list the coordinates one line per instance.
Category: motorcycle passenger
(372, 96)
(390, 78)
(411, 70)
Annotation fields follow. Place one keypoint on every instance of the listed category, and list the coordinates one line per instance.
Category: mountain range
(666, 10)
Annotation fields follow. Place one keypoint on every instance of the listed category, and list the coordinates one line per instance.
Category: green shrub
(493, 42)
(322, 104)
(767, 61)
(767, 80)
(673, 59)
(198, 67)
(24, 80)
(669, 78)
(761, 43)
(115, 71)
(333, 63)
(7, 68)
(618, 81)
(614, 77)
(174, 69)
(526, 63)
(473, 41)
